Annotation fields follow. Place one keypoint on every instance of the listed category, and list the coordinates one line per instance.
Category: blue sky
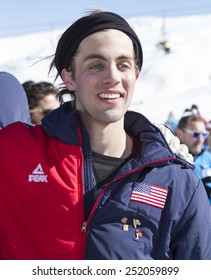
(25, 16)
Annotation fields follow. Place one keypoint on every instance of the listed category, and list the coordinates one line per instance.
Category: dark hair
(27, 84)
(184, 121)
(36, 91)
(70, 40)
(87, 25)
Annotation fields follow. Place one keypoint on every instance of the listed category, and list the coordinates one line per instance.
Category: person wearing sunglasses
(42, 99)
(191, 131)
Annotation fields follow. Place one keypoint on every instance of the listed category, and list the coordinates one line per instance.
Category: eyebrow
(94, 56)
(99, 56)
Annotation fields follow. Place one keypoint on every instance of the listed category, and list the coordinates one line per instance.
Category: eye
(124, 66)
(96, 66)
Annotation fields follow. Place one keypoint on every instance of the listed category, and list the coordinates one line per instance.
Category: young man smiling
(113, 187)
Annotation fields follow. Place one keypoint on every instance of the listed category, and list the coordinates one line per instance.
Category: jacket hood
(14, 103)
(154, 147)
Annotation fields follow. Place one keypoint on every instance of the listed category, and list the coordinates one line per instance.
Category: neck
(110, 140)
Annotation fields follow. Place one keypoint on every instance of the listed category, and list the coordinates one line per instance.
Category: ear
(137, 74)
(179, 133)
(68, 80)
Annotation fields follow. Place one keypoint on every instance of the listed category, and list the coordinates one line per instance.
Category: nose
(111, 75)
(200, 139)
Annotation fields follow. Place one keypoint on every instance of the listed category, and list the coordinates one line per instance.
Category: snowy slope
(167, 82)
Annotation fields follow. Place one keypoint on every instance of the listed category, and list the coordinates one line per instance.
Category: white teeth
(109, 95)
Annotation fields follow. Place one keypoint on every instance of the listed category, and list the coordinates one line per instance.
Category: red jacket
(41, 216)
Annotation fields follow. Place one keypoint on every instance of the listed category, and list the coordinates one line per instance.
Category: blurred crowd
(193, 130)
(28, 102)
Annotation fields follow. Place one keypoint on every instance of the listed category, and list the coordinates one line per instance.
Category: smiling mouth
(109, 95)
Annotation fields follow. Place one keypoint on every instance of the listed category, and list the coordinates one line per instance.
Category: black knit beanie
(87, 25)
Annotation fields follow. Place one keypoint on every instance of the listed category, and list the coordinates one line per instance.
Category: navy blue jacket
(122, 227)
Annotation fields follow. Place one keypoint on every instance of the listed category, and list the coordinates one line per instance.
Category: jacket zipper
(85, 223)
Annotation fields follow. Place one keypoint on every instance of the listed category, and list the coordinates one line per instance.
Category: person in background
(171, 122)
(13, 101)
(26, 85)
(42, 99)
(193, 110)
(94, 180)
(208, 140)
(191, 131)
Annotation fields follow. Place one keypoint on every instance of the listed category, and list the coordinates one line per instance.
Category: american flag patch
(148, 194)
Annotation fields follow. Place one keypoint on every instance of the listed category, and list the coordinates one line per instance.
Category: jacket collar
(62, 124)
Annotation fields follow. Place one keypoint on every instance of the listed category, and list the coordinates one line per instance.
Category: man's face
(104, 78)
(193, 141)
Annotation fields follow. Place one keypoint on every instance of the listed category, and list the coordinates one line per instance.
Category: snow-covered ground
(168, 82)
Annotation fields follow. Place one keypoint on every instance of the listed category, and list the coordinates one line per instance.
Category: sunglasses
(42, 111)
(196, 134)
